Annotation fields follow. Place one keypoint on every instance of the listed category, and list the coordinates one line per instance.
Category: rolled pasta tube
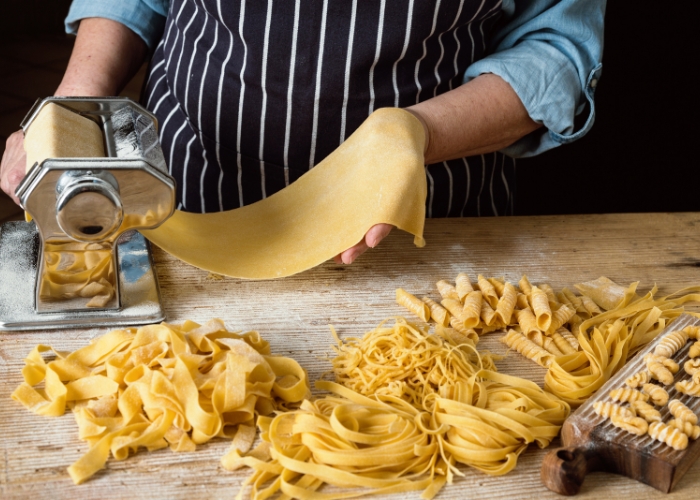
(487, 313)
(518, 342)
(575, 301)
(524, 285)
(468, 333)
(447, 291)
(454, 307)
(527, 321)
(488, 290)
(550, 293)
(463, 286)
(590, 306)
(561, 343)
(472, 309)
(413, 304)
(560, 317)
(437, 312)
(544, 342)
(570, 338)
(521, 301)
(498, 285)
(574, 324)
(506, 304)
(540, 306)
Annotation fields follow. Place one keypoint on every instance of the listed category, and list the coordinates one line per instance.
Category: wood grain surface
(293, 314)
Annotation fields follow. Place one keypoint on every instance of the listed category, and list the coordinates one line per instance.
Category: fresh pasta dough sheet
(376, 176)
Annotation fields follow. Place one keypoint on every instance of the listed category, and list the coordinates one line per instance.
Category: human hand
(12, 166)
(375, 234)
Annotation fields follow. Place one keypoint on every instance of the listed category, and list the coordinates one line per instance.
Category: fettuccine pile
(400, 436)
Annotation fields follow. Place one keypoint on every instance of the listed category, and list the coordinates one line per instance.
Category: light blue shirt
(549, 51)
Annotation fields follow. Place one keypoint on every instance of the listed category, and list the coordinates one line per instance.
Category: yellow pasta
(694, 350)
(658, 395)
(488, 315)
(461, 333)
(471, 312)
(506, 304)
(463, 286)
(666, 362)
(540, 306)
(524, 285)
(498, 285)
(446, 290)
(659, 371)
(646, 411)
(692, 331)
(560, 317)
(454, 307)
(575, 301)
(561, 342)
(570, 338)
(671, 436)
(689, 387)
(628, 395)
(437, 312)
(671, 343)
(590, 306)
(639, 379)
(413, 304)
(551, 296)
(527, 321)
(606, 293)
(515, 340)
(692, 366)
(682, 412)
(607, 409)
(634, 425)
(521, 302)
(78, 270)
(488, 291)
(690, 430)
(159, 386)
(547, 343)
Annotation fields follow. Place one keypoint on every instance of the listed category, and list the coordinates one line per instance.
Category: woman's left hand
(375, 234)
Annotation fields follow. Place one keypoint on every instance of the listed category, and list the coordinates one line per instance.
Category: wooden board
(592, 443)
(293, 314)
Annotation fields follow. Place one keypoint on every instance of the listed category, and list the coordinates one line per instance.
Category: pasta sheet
(376, 176)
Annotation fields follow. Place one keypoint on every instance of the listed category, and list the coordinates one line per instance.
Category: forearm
(105, 56)
(478, 117)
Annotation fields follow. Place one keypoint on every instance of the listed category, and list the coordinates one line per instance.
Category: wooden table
(293, 314)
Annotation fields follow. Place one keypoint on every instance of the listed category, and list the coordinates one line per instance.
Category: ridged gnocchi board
(592, 443)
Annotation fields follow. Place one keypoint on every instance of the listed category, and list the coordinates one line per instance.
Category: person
(250, 95)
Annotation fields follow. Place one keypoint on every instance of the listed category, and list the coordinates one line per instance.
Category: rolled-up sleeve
(550, 53)
(146, 18)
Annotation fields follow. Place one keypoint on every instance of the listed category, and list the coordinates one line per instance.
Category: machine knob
(88, 205)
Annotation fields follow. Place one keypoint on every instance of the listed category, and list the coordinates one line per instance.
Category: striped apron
(249, 95)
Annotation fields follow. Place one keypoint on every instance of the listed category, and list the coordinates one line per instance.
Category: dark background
(639, 156)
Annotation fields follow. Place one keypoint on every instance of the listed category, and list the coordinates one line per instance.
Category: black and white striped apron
(249, 95)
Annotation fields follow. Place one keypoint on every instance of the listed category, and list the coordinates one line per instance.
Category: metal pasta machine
(99, 176)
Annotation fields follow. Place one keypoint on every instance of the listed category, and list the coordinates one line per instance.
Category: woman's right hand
(12, 166)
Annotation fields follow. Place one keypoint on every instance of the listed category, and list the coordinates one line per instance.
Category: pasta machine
(80, 261)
